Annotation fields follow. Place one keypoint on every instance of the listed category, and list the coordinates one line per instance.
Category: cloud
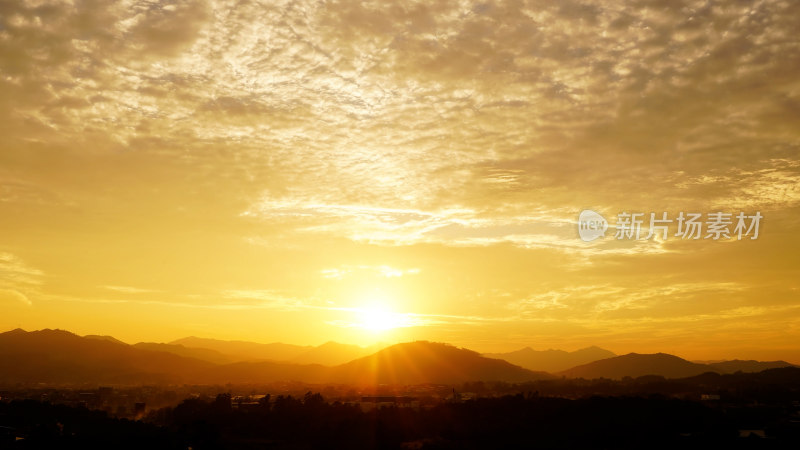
(418, 108)
(15, 271)
(18, 280)
(14, 296)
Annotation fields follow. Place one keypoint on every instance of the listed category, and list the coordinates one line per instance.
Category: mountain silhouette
(429, 362)
(637, 365)
(552, 360)
(57, 356)
(738, 365)
(60, 357)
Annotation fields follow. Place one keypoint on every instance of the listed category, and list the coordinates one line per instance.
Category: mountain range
(56, 356)
(60, 357)
(245, 351)
(552, 360)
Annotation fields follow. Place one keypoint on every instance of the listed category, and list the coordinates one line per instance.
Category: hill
(637, 365)
(428, 362)
(748, 366)
(61, 357)
(57, 356)
(552, 360)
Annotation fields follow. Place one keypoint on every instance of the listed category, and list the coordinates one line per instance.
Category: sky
(367, 172)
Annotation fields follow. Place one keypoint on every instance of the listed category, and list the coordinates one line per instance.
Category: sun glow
(379, 318)
(376, 313)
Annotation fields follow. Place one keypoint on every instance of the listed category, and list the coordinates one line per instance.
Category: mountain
(332, 354)
(202, 354)
(637, 365)
(246, 351)
(738, 365)
(428, 362)
(552, 360)
(57, 356)
(61, 357)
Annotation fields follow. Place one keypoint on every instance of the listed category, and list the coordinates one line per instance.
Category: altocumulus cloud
(496, 107)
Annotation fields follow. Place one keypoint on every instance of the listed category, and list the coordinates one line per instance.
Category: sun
(378, 318)
(376, 314)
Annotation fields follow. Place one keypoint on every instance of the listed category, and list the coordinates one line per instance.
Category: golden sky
(385, 171)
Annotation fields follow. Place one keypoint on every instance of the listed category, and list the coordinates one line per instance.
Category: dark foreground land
(740, 411)
(517, 421)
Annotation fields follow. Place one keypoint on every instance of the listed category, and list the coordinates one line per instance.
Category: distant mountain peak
(15, 331)
(552, 360)
(592, 347)
(244, 350)
(53, 332)
(421, 362)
